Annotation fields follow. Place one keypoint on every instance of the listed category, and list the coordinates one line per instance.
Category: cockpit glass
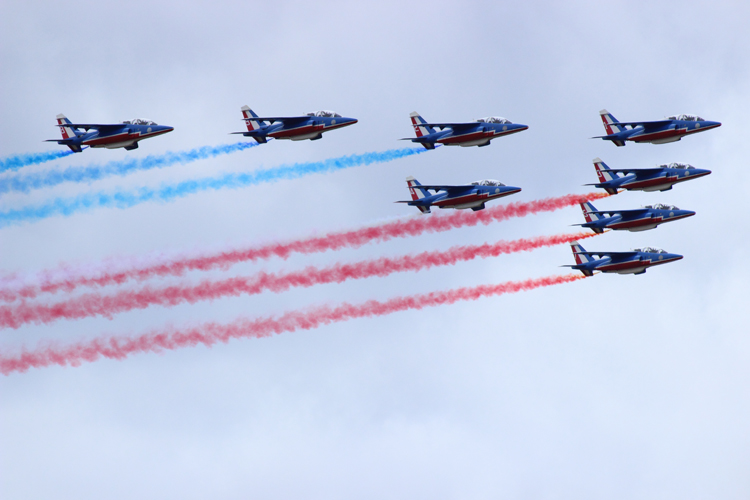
(650, 250)
(686, 118)
(661, 206)
(487, 182)
(139, 121)
(494, 119)
(325, 114)
(676, 165)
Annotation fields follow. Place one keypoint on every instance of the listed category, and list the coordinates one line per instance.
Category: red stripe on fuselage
(633, 264)
(125, 136)
(653, 136)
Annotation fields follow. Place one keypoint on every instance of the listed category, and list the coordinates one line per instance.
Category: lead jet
(671, 129)
(639, 219)
(119, 135)
(634, 262)
(660, 178)
(472, 196)
(296, 128)
(477, 133)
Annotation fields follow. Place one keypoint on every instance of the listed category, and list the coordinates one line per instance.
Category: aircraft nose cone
(676, 256)
(688, 213)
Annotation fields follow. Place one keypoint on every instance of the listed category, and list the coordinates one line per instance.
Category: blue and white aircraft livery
(119, 135)
(634, 262)
(296, 128)
(638, 219)
(472, 196)
(671, 129)
(660, 178)
(477, 133)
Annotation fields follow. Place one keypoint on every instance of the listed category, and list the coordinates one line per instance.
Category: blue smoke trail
(17, 161)
(122, 199)
(25, 183)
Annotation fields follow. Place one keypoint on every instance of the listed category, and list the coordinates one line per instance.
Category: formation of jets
(659, 178)
(311, 126)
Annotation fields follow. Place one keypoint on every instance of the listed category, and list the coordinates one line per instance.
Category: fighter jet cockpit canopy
(139, 121)
(676, 165)
(323, 113)
(686, 118)
(650, 250)
(661, 206)
(487, 182)
(494, 119)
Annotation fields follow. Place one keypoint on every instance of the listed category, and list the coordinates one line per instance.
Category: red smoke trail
(209, 334)
(332, 241)
(108, 305)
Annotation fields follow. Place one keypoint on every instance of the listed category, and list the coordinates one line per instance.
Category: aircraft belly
(660, 137)
(623, 267)
(635, 229)
(102, 142)
(469, 201)
(115, 145)
(655, 184)
(465, 140)
(635, 225)
(296, 134)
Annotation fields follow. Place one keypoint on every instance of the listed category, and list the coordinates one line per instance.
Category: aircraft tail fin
(611, 124)
(417, 193)
(248, 115)
(419, 125)
(580, 253)
(603, 171)
(587, 209)
(66, 131)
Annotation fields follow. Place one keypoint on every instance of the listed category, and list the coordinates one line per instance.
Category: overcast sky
(613, 387)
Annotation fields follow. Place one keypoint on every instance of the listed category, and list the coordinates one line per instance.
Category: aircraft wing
(637, 171)
(614, 255)
(447, 188)
(457, 127)
(290, 120)
(103, 128)
(652, 124)
(633, 211)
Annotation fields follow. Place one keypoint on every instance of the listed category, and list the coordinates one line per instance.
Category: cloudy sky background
(615, 386)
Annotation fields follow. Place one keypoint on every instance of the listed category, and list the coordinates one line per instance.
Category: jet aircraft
(296, 128)
(477, 133)
(671, 129)
(660, 178)
(639, 219)
(472, 196)
(119, 135)
(634, 262)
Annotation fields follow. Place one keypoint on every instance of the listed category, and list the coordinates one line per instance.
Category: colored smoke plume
(209, 334)
(17, 161)
(108, 305)
(37, 180)
(170, 192)
(332, 241)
